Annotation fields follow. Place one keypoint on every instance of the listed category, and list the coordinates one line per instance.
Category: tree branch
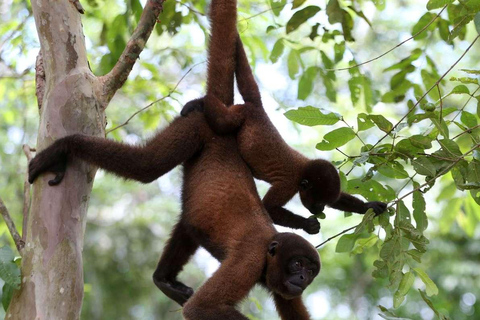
(158, 100)
(428, 91)
(119, 74)
(19, 243)
(398, 45)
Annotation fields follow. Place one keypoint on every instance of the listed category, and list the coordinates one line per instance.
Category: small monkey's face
(292, 264)
(319, 186)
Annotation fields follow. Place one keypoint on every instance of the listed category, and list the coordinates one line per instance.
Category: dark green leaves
(311, 116)
(10, 273)
(301, 17)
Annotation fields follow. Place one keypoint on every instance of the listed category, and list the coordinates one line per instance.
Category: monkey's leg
(349, 203)
(179, 249)
(221, 119)
(237, 275)
(292, 309)
(277, 196)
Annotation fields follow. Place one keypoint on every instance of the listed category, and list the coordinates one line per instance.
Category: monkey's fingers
(312, 225)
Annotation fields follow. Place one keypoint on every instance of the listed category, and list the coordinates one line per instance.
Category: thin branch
(156, 101)
(119, 74)
(260, 13)
(190, 8)
(466, 103)
(19, 243)
(438, 175)
(441, 104)
(346, 155)
(26, 194)
(398, 45)
(469, 130)
(428, 91)
(338, 234)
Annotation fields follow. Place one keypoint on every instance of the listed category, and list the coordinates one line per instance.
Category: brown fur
(272, 160)
(221, 209)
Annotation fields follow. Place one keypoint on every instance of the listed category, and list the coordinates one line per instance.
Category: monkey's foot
(175, 290)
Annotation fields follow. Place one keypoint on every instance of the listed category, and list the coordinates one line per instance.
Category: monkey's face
(292, 264)
(319, 186)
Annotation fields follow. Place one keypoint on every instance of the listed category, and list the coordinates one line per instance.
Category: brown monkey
(221, 211)
(271, 159)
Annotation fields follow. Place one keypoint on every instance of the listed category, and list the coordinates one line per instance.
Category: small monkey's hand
(377, 206)
(194, 105)
(312, 225)
(49, 160)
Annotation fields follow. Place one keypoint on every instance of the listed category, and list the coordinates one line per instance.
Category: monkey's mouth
(293, 289)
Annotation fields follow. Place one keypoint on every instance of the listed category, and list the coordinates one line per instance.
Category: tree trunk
(52, 272)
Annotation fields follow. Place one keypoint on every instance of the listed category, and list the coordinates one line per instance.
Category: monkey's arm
(349, 203)
(169, 148)
(293, 309)
(276, 197)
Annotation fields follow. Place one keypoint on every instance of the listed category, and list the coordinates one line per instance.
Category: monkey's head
(292, 264)
(319, 185)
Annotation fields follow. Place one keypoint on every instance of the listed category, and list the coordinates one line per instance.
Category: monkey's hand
(312, 225)
(194, 105)
(49, 160)
(377, 206)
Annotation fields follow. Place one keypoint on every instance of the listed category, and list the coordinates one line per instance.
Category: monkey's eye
(298, 264)
(304, 184)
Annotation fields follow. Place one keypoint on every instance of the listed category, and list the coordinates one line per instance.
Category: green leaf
(381, 122)
(363, 122)
(468, 119)
(305, 84)
(297, 3)
(311, 116)
(301, 17)
(336, 138)
(9, 271)
(422, 23)
(435, 4)
(365, 243)
(460, 89)
(391, 248)
(415, 254)
(366, 221)
(421, 141)
(419, 206)
(430, 304)
(424, 167)
(7, 294)
(393, 170)
(277, 50)
(405, 285)
(431, 287)
(293, 63)
(346, 243)
(277, 6)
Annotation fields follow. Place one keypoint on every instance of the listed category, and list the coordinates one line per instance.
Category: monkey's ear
(304, 184)
(272, 248)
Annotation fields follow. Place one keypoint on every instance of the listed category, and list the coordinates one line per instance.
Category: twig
(338, 234)
(469, 130)
(190, 8)
(438, 175)
(398, 45)
(19, 243)
(428, 91)
(26, 194)
(346, 155)
(158, 100)
(441, 104)
(466, 103)
(260, 13)
(119, 74)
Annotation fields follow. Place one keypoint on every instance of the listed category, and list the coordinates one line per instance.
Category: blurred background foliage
(421, 263)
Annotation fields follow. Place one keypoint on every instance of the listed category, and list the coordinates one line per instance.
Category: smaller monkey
(272, 160)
